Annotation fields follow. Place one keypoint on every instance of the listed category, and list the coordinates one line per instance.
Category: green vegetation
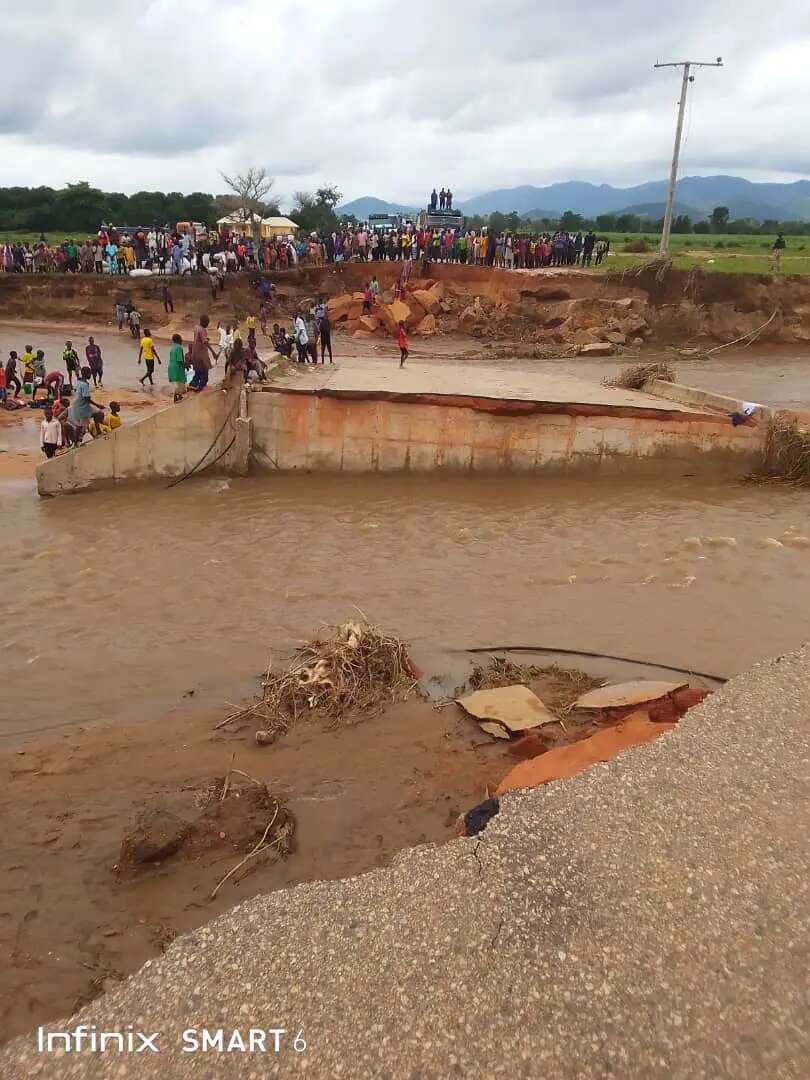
(718, 225)
(726, 253)
(80, 208)
(316, 212)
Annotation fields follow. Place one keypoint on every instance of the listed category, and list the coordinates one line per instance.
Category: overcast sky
(389, 97)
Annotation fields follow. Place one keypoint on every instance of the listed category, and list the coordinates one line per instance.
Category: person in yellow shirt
(97, 425)
(28, 366)
(114, 419)
(148, 353)
(250, 324)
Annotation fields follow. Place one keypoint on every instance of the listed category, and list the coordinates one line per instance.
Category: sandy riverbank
(70, 927)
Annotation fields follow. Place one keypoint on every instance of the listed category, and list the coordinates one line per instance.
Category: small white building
(269, 227)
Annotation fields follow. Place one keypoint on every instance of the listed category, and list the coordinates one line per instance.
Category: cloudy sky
(387, 97)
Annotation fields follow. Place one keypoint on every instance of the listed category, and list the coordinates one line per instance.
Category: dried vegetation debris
(636, 376)
(787, 451)
(341, 673)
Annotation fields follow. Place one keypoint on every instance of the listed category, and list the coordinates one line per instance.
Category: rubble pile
(548, 317)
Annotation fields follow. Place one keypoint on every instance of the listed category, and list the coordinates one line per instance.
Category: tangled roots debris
(344, 671)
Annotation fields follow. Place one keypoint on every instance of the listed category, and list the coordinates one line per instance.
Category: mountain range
(697, 196)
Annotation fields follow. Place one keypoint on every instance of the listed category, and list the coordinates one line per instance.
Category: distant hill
(369, 204)
(700, 193)
(656, 210)
(697, 196)
(537, 213)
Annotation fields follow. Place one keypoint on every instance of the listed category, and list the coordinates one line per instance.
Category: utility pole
(687, 66)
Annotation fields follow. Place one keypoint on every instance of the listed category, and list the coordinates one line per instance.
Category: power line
(687, 66)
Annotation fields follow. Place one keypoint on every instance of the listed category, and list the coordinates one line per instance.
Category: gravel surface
(646, 919)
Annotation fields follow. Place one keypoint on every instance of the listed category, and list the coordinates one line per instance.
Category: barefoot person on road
(149, 354)
(95, 361)
(177, 367)
(402, 339)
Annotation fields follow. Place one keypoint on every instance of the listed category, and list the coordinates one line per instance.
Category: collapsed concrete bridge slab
(365, 417)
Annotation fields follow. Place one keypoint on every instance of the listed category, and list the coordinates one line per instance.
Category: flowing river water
(117, 603)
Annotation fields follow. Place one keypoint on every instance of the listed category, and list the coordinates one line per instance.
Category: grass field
(720, 253)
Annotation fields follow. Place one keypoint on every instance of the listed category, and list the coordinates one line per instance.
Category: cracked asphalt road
(648, 918)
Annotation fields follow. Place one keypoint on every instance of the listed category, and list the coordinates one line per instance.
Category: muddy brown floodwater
(130, 616)
(125, 600)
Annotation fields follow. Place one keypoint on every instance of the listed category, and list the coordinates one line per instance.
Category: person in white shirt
(50, 434)
(301, 338)
(226, 339)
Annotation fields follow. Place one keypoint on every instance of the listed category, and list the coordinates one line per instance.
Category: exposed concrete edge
(692, 395)
(502, 406)
(70, 466)
(529, 882)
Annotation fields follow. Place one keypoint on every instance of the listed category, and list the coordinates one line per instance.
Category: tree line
(80, 208)
(719, 221)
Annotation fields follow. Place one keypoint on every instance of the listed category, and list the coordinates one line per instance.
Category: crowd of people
(162, 251)
(63, 393)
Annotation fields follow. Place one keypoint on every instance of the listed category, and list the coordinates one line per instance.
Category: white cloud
(385, 98)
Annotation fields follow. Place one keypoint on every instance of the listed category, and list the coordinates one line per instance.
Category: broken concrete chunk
(497, 731)
(598, 348)
(566, 761)
(516, 707)
(629, 693)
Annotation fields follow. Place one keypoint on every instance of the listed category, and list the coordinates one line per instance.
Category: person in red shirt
(368, 298)
(402, 338)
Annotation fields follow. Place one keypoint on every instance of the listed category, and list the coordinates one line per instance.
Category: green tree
(701, 227)
(606, 222)
(571, 222)
(146, 207)
(628, 223)
(316, 212)
(682, 224)
(80, 208)
(719, 218)
(328, 196)
(199, 206)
